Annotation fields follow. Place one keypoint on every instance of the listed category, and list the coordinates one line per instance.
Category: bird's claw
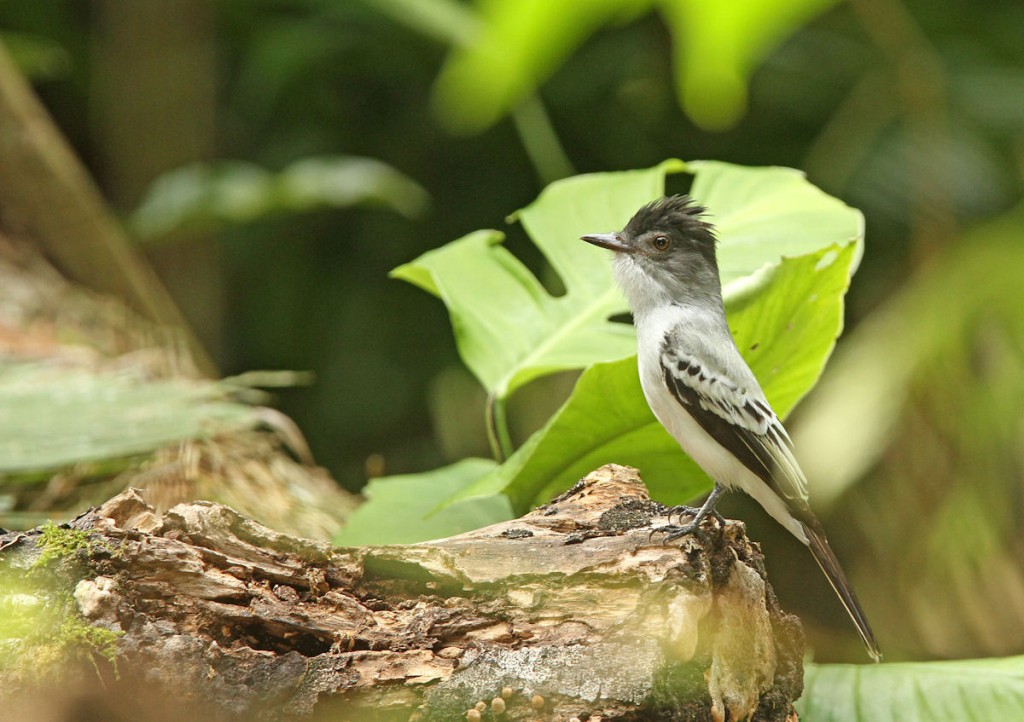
(681, 511)
(676, 531)
(673, 531)
(695, 512)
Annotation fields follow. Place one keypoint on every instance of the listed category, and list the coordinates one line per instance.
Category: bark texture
(573, 610)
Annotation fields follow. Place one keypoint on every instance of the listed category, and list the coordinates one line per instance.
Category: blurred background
(274, 160)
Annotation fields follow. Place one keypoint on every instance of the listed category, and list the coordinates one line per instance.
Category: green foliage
(932, 320)
(402, 509)
(232, 192)
(52, 417)
(717, 46)
(915, 121)
(508, 328)
(786, 252)
(945, 392)
(982, 689)
(518, 44)
(765, 214)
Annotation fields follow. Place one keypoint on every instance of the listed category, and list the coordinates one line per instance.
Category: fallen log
(573, 611)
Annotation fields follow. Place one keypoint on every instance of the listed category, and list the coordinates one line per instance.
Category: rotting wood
(574, 609)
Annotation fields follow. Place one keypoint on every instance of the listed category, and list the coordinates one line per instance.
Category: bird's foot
(681, 511)
(676, 531)
(698, 514)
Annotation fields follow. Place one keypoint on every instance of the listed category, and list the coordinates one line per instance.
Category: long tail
(826, 559)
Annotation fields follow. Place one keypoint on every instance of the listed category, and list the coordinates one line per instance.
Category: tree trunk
(572, 611)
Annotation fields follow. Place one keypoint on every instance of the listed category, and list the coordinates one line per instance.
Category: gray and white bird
(698, 385)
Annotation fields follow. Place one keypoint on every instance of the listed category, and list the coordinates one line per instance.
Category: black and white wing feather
(737, 416)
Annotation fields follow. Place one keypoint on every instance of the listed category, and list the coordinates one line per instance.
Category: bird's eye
(660, 243)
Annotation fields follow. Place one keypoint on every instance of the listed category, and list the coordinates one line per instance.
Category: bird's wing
(736, 415)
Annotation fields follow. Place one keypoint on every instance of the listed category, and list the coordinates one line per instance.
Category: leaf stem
(497, 428)
(541, 141)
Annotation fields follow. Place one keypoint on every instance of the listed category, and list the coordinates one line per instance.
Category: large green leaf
(509, 329)
(971, 690)
(785, 319)
(403, 509)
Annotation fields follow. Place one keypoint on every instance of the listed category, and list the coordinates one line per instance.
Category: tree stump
(575, 610)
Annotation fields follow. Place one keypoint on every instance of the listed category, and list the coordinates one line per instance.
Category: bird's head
(666, 253)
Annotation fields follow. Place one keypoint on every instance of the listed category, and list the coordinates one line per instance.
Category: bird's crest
(680, 214)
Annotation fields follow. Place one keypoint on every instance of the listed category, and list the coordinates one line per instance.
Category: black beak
(611, 241)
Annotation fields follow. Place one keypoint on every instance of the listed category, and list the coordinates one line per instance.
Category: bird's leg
(673, 531)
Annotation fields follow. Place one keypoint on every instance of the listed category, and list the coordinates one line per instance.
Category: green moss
(41, 629)
(45, 638)
(58, 542)
(77, 636)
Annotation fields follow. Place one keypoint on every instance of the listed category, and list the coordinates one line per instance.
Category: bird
(700, 388)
